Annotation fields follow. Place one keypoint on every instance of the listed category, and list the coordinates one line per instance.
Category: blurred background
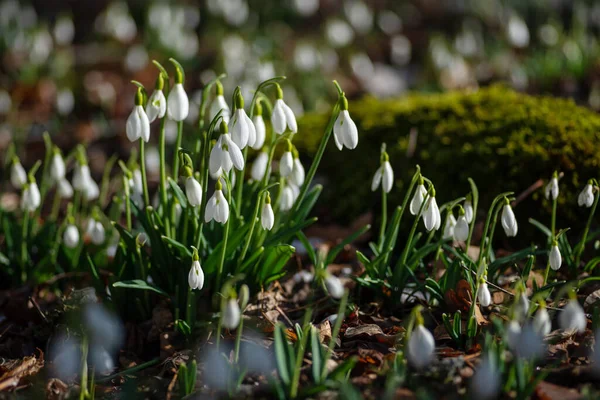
(67, 64)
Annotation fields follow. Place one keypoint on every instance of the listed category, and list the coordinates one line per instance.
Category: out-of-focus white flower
(461, 230)
(586, 197)
(178, 104)
(57, 166)
(418, 197)
(289, 194)
(18, 176)
(484, 295)
(231, 314)
(71, 236)
(345, 132)
(551, 189)
(30, 198)
(286, 164)
(193, 191)
(384, 174)
(219, 104)
(225, 155)
(517, 31)
(530, 343)
(297, 177)
(64, 189)
(334, 286)
(513, 333)
(486, 382)
(95, 231)
(431, 216)
(572, 317)
(541, 322)
(555, 257)
(339, 33)
(282, 115)
(64, 31)
(65, 101)
(196, 275)
(217, 207)
(468, 206)
(261, 130)
(259, 167)
(521, 306)
(421, 347)
(509, 222)
(449, 226)
(267, 217)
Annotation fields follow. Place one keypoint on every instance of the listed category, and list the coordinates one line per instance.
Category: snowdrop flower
(18, 176)
(513, 333)
(64, 189)
(418, 197)
(267, 217)
(449, 226)
(521, 306)
(138, 125)
(71, 236)
(231, 314)
(461, 229)
(555, 258)
(30, 198)
(586, 197)
(225, 154)
(384, 175)
(259, 167)
(193, 189)
(483, 294)
(421, 345)
(282, 115)
(288, 196)
(92, 191)
(334, 286)
(509, 222)
(298, 174)
(196, 275)
(572, 317)
(345, 132)
(95, 230)
(219, 104)
(178, 104)
(530, 343)
(81, 176)
(217, 207)
(468, 206)
(57, 166)
(259, 126)
(286, 164)
(157, 103)
(242, 129)
(541, 322)
(551, 189)
(431, 216)
(486, 381)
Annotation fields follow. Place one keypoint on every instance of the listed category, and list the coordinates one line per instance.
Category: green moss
(504, 140)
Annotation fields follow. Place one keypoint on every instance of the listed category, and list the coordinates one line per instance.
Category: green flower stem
(225, 237)
(189, 307)
(55, 207)
(24, 240)
(488, 245)
(127, 203)
(84, 394)
(240, 184)
(300, 355)
(383, 218)
(487, 223)
(238, 340)
(336, 330)
(259, 201)
(553, 220)
(176, 154)
(581, 246)
(143, 170)
(402, 261)
(163, 176)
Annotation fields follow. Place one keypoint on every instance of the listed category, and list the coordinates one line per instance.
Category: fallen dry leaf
(15, 370)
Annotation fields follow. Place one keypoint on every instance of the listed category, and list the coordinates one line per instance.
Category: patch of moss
(504, 140)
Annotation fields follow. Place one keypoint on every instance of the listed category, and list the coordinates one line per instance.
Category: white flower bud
(196, 276)
(242, 129)
(231, 314)
(461, 230)
(417, 200)
(219, 104)
(64, 189)
(261, 131)
(334, 286)
(95, 231)
(259, 167)
(541, 322)
(57, 168)
(138, 125)
(572, 317)
(178, 104)
(18, 176)
(286, 164)
(484, 295)
(30, 198)
(193, 191)
(449, 226)
(468, 207)
(157, 105)
(71, 236)
(297, 177)
(345, 132)
(267, 217)
(555, 257)
(421, 347)
(431, 217)
(384, 174)
(586, 197)
(551, 190)
(509, 222)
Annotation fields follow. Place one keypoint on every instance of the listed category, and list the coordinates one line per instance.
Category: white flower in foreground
(513, 334)
(217, 207)
(486, 381)
(461, 229)
(521, 306)
(95, 230)
(259, 167)
(286, 164)
(138, 125)
(483, 295)
(30, 198)
(555, 257)
(225, 155)
(421, 347)
(431, 217)
(383, 175)
(572, 317)
(92, 191)
(298, 174)
(196, 275)
(57, 166)
(267, 217)
(586, 197)
(157, 105)
(18, 176)
(509, 222)
(288, 196)
(71, 236)
(468, 206)
(334, 286)
(64, 189)
(418, 197)
(282, 115)
(541, 322)
(449, 226)
(241, 127)
(259, 126)
(231, 314)
(345, 133)
(219, 104)
(193, 191)
(530, 343)
(551, 189)
(178, 104)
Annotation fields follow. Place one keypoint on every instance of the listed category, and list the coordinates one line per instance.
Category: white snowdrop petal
(193, 191)
(449, 227)
(71, 236)
(572, 317)
(144, 124)
(388, 176)
(286, 165)
(231, 314)
(239, 128)
(377, 179)
(64, 188)
(298, 174)
(417, 200)
(215, 159)
(421, 347)
(338, 134)
(542, 323)
(484, 296)
(290, 118)
(350, 132)
(18, 176)
(57, 168)
(259, 166)
(133, 126)
(261, 131)
(509, 223)
(278, 117)
(209, 212)
(555, 258)
(468, 207)
(267, 217)
(461, 230)
(178, 103)
(251, 131)
(334, 286)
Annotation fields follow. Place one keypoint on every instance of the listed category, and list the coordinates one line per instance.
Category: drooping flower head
(572, 316)
(282, 116)
(483, 293)
(298, 174)
(30, 198)
(57, 166)
(431, 215)
(225, 154)
(384, 174)
(421, 344)
(267, 217)
(178, 104)
(468, 206)
(345, 133)
(334, 286)
(555, 258)
(71, 236)
(586, 197)
(219, 104)
(259, 126)
(193, 189)
(18, 176)
(449, 225)
(551, 190)
(231, 313)
(509, 222)
(157, 103)
(217, 207)
(461, 230)
(138, 125)
(286, 164)
(259, 167)
(418, 197)
(196, 275)
(541, 322)
(95, 230)
(241, 126)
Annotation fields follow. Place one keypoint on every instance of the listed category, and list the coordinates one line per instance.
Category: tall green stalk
(143, 170)
(581, 246)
